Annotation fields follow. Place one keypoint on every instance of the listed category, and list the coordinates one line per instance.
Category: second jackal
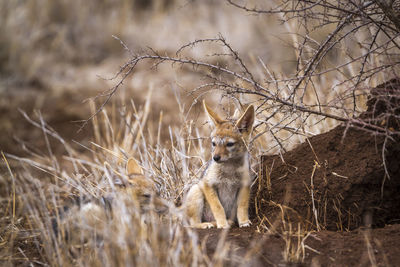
(134, 194)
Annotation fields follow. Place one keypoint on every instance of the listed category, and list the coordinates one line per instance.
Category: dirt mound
(384, 105)
(325, 248)
(336, 181)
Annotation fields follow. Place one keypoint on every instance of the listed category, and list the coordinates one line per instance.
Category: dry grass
(48, 220)
(59, 45)
(48, 190)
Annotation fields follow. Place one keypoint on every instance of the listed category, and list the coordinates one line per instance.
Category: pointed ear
(245, 123)
(132, 167)
(212, 115)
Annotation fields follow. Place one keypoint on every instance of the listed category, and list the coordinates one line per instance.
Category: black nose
(217, 158)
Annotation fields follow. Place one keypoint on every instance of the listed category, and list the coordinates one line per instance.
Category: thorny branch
(367, 57)
(259, 90)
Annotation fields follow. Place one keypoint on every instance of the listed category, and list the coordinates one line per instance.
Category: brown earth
(339, 180)
(63, 112)
(344, 171)
(362, 247)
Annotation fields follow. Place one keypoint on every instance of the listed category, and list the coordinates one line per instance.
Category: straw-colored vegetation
(175, 53)
(52, 214)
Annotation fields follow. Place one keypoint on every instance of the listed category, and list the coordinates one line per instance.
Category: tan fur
(224, 189)
(133, 188)
(92, 220)
(141, 189)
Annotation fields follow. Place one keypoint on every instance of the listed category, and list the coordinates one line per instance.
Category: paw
(206, 225)
(245, 224)
(224, 225)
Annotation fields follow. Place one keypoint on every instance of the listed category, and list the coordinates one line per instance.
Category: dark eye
(229, 144)
(146, 195)
(213, 144)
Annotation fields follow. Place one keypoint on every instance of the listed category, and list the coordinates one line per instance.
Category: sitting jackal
(224, 189)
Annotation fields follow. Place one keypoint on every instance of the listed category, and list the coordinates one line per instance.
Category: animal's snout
(217, 158)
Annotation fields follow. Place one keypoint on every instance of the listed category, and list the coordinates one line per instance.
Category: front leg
(243, 206)
(216, 207)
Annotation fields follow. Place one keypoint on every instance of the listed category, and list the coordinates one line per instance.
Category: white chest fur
(227, 179)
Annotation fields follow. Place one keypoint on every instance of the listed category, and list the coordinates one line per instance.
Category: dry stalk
(315, 212)
(370, 249)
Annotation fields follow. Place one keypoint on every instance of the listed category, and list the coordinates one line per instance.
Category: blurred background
(56, 54)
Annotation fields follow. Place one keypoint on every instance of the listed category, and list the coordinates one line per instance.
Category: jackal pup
(224, 190)
(140, 188)
(93, 217)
